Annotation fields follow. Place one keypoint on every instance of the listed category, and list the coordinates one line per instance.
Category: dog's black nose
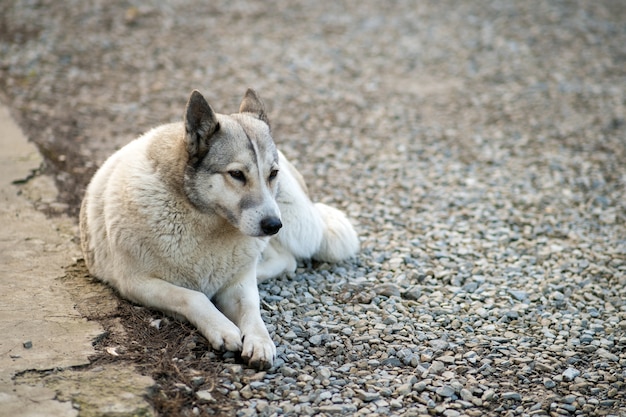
(271, 225)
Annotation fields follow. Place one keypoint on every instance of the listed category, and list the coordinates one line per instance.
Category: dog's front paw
(258, 350)
(226, 337)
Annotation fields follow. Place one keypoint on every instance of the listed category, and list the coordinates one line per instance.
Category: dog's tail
(340, 240)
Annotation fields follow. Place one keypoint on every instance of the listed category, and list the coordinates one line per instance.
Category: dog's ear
(200, 124)
(251, 103)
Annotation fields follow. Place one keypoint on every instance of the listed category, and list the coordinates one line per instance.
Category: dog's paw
(258, 350)
(227, 337)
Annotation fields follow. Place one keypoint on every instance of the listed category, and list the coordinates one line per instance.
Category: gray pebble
(205, 395)
(570, 373)
(316, 340)
(445, 391)
(288, 371)
(548, 383)
(511, 396)
(488, 395)
(368, 396)
(518, 294)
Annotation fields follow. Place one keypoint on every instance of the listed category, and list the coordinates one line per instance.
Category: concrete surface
(40, 326)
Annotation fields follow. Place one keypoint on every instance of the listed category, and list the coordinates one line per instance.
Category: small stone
(548, 383)
(448, 375)
(183, 387)
(262, 406)
(571, 408)
(519, 295)
(367, 396)
(392, 362)
(288, 371)
(258, 376)
(331, 409)
(316, 340)
(324, 372)
(413, 293)
(290, 335)
(246, 392)
(205, 395)
(470, 287)
(466, 394)
(395, 404)
(471, 356)
(449, 359)
(403, 389)
(28, 344)
(548, 334)
(247, 412)
(436, 368)
(438, 344)
(544, 367)
(325, 395)
(388, 290)
(488, 395)
(603, 353)
(512, 396)
(420, 386)
(570, 373)
(257, 384)
(197, 381)
(445, 391)
(345, 368)
(557, 296)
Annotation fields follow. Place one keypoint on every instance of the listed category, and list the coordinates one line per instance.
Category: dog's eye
(238, 175)
(273, 174)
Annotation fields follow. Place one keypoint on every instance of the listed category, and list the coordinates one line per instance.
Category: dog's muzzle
(271, 225)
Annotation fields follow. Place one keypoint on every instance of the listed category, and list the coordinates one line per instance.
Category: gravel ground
(479, 146)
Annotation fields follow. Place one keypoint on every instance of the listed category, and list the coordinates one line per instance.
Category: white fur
(143, 236)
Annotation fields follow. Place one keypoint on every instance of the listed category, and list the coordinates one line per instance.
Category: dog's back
(110, 216)
(137, 218)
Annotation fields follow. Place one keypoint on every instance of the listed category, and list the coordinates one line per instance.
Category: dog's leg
(194, 306)
(240, 302)
(276, 260)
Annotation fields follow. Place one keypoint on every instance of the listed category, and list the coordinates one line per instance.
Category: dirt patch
(172, 352)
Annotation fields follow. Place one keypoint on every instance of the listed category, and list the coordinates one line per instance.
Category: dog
(190, 216)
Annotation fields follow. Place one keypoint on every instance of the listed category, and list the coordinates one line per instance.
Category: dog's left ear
(251, 103)
(200, 124)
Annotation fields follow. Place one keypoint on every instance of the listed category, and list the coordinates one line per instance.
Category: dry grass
(173, 353)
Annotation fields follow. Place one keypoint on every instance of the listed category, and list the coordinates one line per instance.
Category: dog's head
(232, 166)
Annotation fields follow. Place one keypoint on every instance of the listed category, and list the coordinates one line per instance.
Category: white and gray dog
(188, 217)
